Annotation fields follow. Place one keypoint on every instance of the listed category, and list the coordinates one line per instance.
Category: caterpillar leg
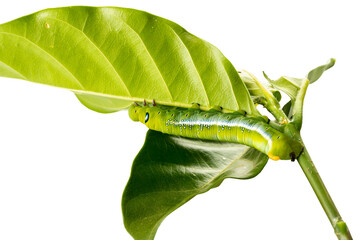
(267, 120)
(242, 112)
(292, 156)
(195, 106)
(154, 104)
(216, 108)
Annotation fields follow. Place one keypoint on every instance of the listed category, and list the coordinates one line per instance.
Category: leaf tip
(266, 76)
(316, 73)
(332, 61)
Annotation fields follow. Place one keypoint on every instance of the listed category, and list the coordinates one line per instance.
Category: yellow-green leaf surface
(113, 56)
(170, 170)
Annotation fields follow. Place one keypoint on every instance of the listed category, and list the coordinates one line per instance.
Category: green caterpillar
(216, 125)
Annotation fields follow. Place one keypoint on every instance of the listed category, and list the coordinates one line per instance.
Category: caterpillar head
(144, 113)
(134, 111)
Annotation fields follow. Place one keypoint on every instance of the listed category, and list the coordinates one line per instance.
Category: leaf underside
(170, 170)
(113, 56)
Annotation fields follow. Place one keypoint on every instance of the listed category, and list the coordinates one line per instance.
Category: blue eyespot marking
(146, 117)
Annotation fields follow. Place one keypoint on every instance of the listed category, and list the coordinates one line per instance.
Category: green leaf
(264, 94)
(113, 56)
(292, 86)
(288, 85)
(254, 89)
(296, 88)
(316, 73)
(287, 108)
(170, 170)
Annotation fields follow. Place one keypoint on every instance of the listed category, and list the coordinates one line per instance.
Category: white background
(63, 167)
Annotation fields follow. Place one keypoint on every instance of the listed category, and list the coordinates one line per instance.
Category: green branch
(298, 105)
(340, 227)
(311, 173)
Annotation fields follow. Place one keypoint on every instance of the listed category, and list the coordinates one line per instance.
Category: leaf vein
(56, 60)
(193, 63)
(152, 59)
(97, 48)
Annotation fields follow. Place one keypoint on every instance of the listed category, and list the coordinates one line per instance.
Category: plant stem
(340, 227)
(298, 104)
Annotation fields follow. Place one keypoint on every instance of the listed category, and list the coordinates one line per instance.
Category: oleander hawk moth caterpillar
(215, 125)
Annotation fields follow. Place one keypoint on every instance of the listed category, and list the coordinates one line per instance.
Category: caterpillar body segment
(215, 125)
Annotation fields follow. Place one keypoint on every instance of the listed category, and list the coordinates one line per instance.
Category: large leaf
(113, 56)
(170, 170)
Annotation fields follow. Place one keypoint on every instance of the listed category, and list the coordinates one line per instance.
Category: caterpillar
(215, 125)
